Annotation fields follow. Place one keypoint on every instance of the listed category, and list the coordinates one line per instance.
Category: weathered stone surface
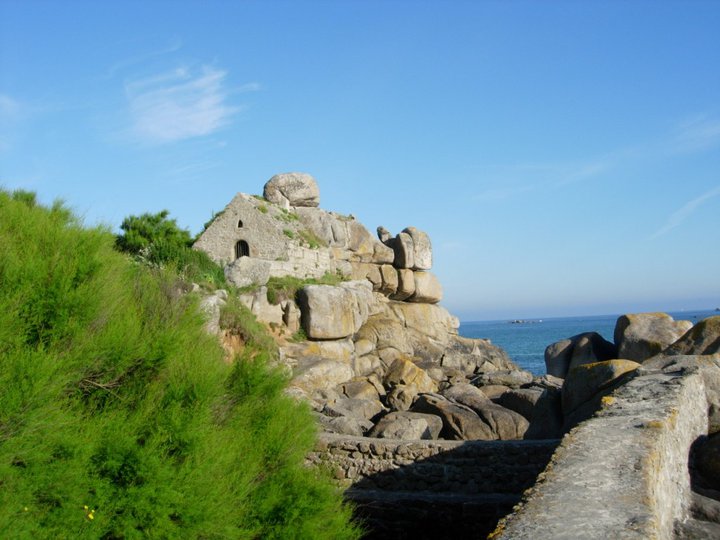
(522, 401)
(291, 316)
(319, 373)
(709, 368)
(382, 332)
(367, 364)
(406, 284)
(383, 234)
(472, 356)
(430, 320)
(623, 473)
(334, 312)
(459, 422)
(701, 339)
(422, 249)
(401, 397)
(247, 271)
(340, 350)
(494, 391)
(585, 381)
(404, 251)
(359, 389)
(581, 349)
(547, 418)
(292, 189)
(504, 423)
(210, 306)
(404, 371)
(511, 378)
(363, 409)
(427, 288)
(408, 426)
(389, 279)
(383, 254)
(344, 425)
(642, 335)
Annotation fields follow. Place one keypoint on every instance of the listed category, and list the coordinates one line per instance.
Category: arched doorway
(242, 249)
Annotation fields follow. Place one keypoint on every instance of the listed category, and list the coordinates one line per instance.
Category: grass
(312, 240)
(286, 287)
(118, 416)
(287, 216)
(263, 208)
(289, 233)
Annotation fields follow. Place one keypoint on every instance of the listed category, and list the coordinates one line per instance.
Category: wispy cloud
(698, 133)
(677, 217)
(179, 104)
(9, 107)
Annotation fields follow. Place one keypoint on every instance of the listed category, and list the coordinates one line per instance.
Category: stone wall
(468, 467)
(623, 473)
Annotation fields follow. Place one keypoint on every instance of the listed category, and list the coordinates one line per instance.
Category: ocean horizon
(525, 340)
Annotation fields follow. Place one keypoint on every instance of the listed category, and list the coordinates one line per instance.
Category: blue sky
(563, 156)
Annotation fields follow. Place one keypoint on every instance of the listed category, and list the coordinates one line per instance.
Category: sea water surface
(525, 340)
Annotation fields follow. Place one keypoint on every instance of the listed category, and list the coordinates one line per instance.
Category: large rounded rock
(404, 372)
(292, 189)
(408, 426)
(247, 271)
(422, 249)
(586, 381)
(404, 251)
(329, 312)
(580, 349)
(642, 335)
(703, 338)
(427, 288)
(315, 373)
(504, 423)
(459, 422)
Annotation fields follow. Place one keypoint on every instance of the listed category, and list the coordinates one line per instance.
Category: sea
(525, 340)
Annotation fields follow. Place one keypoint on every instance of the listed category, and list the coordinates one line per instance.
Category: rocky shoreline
(378, 359)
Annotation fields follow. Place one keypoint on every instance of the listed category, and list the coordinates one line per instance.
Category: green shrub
(157, 240)
(119, 417)
(289, 233)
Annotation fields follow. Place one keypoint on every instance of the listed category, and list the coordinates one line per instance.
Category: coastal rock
(408, 426)
(473, 356)
(330, 312)
(547, 418)
(404, 372)
(504, 423)
(522, 401)
(382, 332)
(581, 349)
(315, 373)
(406, 284)
(404, 251)
(422, 249)
(382, 254)
(642, 335)
(701, 339)
(210, 306)
(427, 288)
(292, 189)
(709, 368)
(586, 381)
(389, 277)
(362, 409)
(344, 425)
(510, 378)
(459, 422)
(401, 397)
(360, 389)
(383, 234)
(247, 271)
(494, 391)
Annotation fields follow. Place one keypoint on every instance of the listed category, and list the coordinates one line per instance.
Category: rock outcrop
(292, 189)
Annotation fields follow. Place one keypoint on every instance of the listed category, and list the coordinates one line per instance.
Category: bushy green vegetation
(119, 417)
(157, 239)
(286, 287)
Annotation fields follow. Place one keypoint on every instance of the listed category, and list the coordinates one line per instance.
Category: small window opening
(242, 249)
(240, 223)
